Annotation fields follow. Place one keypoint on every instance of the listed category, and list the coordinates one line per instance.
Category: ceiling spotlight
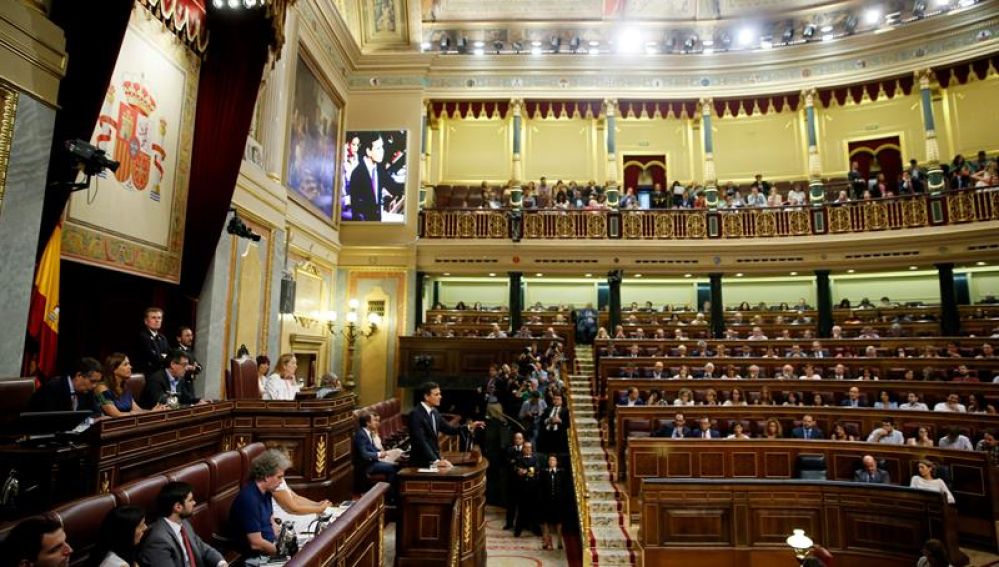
(850, 271)
(594, 43)
(492, 274)
(594, 51)
(794, 273)
(539, 274)
(479, 44)
(588, 275)
(707, 42)
(651, 48)
(219, 4)
(629, 41)
(766, 43)
(980, 263)
(638, 275)
(808, 31)
(688, 275)
(425, 46)
(828, 37)
(745, 36)
(965, 3)
(535, 51)
(535, 43)
(708, 50)
(447, 273)
(234, 3)
(788, 34)
(913, 267)
(826, 28)
(479, 51)
(850, 25)
(739, 275)
(871, 16)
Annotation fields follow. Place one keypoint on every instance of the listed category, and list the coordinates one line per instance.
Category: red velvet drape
(93, 39)
(227, 93)
(634, 166)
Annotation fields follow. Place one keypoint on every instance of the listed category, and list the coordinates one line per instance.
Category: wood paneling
(694, 523)
(973, 481)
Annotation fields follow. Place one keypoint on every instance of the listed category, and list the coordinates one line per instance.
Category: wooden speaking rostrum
(442, 515)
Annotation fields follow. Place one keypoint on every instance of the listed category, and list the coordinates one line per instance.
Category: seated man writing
(251, 517)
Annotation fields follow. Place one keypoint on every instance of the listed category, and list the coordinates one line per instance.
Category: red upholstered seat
(243, 378)
(82, 521)
(199, 477)
(14, 396)
(141, 492)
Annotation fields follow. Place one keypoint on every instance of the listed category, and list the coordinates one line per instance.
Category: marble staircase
(608, 541)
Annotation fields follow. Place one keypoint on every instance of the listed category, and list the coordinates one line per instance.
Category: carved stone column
(934, 174)
(611, 189)
(516, 191)
(816, 192)
(278, 90)
(710, 178)
(425, 186)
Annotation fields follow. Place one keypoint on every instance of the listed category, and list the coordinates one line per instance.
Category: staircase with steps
(608, 541)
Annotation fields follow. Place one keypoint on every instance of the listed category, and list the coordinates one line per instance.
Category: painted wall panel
(477, 150)
(770, 291)
(919, 286)
(554, 293)
(770, 144)
(656, 136)
(490, 294)
(973, 127)
(659, 293)
(560, 149)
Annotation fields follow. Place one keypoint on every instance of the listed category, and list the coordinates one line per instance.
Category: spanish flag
(43, 318)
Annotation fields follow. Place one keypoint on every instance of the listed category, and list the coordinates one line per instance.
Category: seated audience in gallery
(70, 393)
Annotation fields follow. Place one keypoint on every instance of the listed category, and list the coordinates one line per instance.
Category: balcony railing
(895, 213)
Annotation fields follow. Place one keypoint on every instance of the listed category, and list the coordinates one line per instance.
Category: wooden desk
(730, 523)
(356, 538)
(317, 434)
(442, 516)
(974, 483)
(460, 362)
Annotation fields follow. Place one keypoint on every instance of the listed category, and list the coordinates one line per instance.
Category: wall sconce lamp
(350, 331)
(801, 544)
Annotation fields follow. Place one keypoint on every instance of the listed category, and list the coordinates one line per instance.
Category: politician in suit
(169, 381)
(705, 431)
(870, 472)
(367, 179)
(369, 456)
(70, 393)
(807, 429)
(425, 424)
(171, 540)
(152, 350)
(675, 430)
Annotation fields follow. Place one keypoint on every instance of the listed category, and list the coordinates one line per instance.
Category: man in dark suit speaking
(366, 181)
(425, 424)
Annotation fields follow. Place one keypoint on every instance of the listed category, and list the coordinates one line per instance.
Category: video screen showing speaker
(374, 176)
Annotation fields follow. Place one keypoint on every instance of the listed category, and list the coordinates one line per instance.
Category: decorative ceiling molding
(966, 36)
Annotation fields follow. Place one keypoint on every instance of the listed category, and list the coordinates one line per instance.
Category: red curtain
(634, 165)
(93, 40)
(227, 93)
(882, 154)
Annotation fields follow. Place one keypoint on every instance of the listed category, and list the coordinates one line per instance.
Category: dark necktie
(433, 423)
(192, 559)
(808, 433)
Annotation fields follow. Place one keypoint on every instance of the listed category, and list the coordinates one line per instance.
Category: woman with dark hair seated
(118, 541)
(112, 393)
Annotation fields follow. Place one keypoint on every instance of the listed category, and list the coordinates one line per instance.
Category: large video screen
(374, 176)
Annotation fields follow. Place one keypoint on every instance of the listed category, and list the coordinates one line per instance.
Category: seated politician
(170, 383)
(38, 541)
(171, 540)
(251, 517)
(426, 424)
(371, 454)
(871, 473)
(70, 393)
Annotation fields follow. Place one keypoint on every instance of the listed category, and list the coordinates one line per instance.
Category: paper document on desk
(392, 456)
